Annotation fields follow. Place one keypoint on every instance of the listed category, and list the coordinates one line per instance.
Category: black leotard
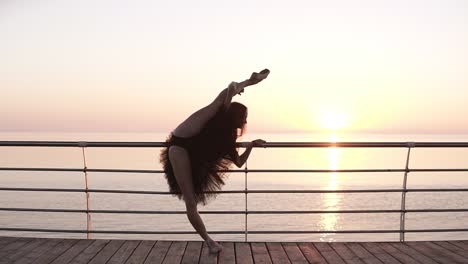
(207, 163)
(184, 142)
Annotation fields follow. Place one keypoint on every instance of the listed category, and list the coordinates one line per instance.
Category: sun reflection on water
(331, 201)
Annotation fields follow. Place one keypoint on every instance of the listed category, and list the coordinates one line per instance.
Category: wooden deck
(60, 251)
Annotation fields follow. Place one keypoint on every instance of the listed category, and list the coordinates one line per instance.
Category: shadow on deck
(58, 251)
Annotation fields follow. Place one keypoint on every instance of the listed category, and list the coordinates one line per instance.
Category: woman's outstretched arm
(240, 160)
(195, 122)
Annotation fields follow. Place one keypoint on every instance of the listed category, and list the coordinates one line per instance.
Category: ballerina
(202, 145)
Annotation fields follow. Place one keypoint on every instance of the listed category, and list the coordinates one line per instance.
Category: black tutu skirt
(206, 163)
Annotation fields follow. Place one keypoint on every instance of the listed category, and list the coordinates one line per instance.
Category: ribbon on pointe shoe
(233, 88)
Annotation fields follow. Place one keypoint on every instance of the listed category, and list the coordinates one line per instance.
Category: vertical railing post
(82, 144)
(403, 193)
(246, 208)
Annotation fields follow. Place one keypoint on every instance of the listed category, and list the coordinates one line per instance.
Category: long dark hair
(210, 153)
(237, 112)
(221, 132)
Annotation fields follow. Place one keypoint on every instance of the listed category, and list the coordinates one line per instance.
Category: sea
(326, 158)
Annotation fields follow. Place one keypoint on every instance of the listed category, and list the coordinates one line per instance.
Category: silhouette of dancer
(203, 144)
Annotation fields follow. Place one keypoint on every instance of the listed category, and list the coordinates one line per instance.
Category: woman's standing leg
(180, 162)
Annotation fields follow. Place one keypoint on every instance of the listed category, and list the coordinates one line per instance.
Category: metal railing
(402, 211)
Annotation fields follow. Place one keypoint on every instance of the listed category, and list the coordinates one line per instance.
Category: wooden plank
(158, 252)
(124, 252)
(294, 253)
(141, 252)
(21, 251)
(243, 253)
(4, 241)
(260, 253)
(227, 255)
(345, 253)
(459, 244)
(443, 251)
(436, 256)
(107, 252)
(73, 251)
(403, 247)
(277, 253)
(175, 252)
(206, 257)
(41, 251)
(452, 248)
(311, 253)
(400, 256)
(56, 251)
(362, 253)
(34, 254)
(192, 252)
(328, 253)
(14, 246)
(86, 255)
(379, 253)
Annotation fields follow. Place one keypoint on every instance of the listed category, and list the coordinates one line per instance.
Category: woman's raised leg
(196, 121)
(180, 162)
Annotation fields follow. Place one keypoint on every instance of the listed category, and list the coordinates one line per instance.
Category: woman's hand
(240, 160)
(254, 143)
(258, 143)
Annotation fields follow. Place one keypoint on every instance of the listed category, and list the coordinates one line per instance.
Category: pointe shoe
(257, 77)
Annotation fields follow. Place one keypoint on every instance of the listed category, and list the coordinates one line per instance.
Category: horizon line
(342, 132)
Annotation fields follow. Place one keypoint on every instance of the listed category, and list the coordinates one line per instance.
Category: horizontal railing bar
(357, 231)
(234, 212)
(345, 170)
(366, 144)
(80, 190)
(39, 169)
(240, 144)
(359, 191)
(80, 144)
(22, 189)
(240, 170)
(232, 232)
(80, 170)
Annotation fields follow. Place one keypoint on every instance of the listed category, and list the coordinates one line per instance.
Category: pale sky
(396, 66)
